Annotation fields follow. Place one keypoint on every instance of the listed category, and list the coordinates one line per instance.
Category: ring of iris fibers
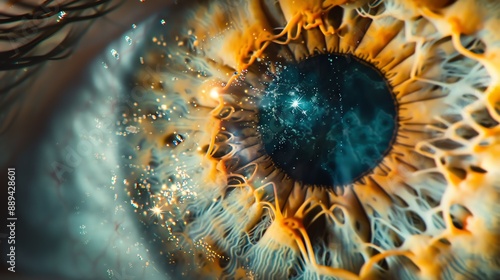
(328, 120)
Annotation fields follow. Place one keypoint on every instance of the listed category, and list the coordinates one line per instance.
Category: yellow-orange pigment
(429, 210)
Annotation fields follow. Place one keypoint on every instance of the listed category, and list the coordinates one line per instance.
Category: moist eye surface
(238, 129)
(219, 149)
(327, 119)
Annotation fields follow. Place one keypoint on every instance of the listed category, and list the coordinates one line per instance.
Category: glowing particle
(162, 22)
(156, 211)
(82, 230)
(115, 54)
(61, 16)
(132, 129)
(128, 39)
(214, 93)
(135, 204)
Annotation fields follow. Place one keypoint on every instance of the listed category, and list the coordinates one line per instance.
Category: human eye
(303, 139)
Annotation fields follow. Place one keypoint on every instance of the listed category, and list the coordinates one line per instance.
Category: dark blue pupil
(328, 119)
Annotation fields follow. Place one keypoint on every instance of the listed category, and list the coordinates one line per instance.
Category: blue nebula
(328, 120)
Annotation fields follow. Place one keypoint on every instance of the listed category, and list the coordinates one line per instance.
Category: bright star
(295, 104)
(214, 93)
(156, 211)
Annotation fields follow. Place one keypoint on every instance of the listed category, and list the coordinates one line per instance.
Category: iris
(281, 139)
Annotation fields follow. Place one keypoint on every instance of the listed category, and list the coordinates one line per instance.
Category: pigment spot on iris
(328, 119)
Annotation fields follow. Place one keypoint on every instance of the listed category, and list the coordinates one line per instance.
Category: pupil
(328, 119)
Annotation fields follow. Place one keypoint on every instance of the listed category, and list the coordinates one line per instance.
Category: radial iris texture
(398, 185)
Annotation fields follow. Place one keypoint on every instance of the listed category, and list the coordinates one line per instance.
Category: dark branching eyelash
(26, 37)
(27, 32)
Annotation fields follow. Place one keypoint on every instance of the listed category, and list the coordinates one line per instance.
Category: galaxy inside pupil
(328, 119)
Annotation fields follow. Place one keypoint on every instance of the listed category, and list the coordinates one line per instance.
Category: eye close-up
(250, 139)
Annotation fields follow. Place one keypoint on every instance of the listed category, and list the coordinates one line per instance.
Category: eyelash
(396, 225)
(28, 32)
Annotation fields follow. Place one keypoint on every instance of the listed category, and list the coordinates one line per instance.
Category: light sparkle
(156, 211)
